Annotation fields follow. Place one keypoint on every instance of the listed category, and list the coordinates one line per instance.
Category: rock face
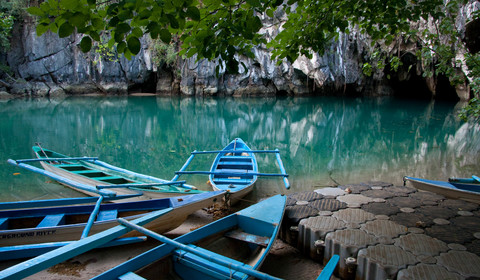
(51, 66)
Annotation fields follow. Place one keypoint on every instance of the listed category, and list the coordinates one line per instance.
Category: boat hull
(123, 176)
(182, 207)
(444, 188)
(240, 185)
(258, 226)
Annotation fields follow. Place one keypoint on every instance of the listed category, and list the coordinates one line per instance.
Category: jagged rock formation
(48, 65)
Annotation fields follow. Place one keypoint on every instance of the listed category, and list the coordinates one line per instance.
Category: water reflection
(323, 141)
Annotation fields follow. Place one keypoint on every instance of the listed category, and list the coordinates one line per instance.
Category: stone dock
(382, 231)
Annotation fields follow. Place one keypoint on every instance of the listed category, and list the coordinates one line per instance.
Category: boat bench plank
(202, 263)
(107, 215)
(52, 220)
(225, 181)
(3, 223)
(233, 172)
(248, 237)
(106, 178)
(130, 276)
(235, 158)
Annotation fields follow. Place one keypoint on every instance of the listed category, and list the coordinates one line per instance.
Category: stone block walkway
(382, 231)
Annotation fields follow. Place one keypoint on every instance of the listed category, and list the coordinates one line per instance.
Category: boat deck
(382, 231)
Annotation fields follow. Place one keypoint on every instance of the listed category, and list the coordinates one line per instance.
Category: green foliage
(471, 111)
(6, 25)
(163, 54)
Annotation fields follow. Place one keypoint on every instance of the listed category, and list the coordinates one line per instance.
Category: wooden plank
(239, 234)
(52, 220)
(73, 249)
(107, 215)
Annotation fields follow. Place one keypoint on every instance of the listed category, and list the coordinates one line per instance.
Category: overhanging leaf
(65, 30)
(86, 44)
(165, 36)
(193, 13)
(133, 44)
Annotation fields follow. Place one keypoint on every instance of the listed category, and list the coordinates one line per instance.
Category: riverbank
(380, 231)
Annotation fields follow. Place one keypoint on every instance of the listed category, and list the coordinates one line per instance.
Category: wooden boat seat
(204, 265)
(235, 158)
(72, 167)
(52, 220)
(239, 234)
(234, 171)
(107, 215)
(235, 165)
(3, 223)
(226, 181)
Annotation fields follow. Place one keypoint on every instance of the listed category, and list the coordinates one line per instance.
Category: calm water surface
(323, 141)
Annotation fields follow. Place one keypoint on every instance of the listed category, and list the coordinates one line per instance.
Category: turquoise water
(323, 141)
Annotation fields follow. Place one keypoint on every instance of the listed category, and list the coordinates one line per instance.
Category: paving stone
(457, 247)
(330, 192)
(355, 188)
(296, 213)
(385, 228)
(404, 202)
(380, 208)
(421, 244)
(458, 205)
(450, 234)
(316, 228)
(477, 235)
(407, 210)
(355, 216)
(325, 213)
(378, 184)
(400, 190)
(465, 213)
(427, 272)
(427, 196)
(416, 230)
(462, 262)
(412, 220)
(346, 243)
(465, 223)
(302, 202)
(382, 262)
(306, 196)
(433, 212)
(327, 204)
(474, 246)
(290, 201)
(354, 200)
(378, 194)
(440, 221)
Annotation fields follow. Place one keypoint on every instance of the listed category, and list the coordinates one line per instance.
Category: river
(324, 141)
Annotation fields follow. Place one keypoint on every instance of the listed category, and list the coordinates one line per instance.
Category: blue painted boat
(98, 175)
(233, 247)
(464, 188)
(54, 221)
(235, 169)
(232, 168)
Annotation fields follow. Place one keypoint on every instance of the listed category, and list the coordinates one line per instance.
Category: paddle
(246, 270)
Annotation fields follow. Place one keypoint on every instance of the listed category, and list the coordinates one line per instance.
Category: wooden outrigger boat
(233, 247)
(41, 222)
(235, 169)
(464, 188)
(97, 175)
